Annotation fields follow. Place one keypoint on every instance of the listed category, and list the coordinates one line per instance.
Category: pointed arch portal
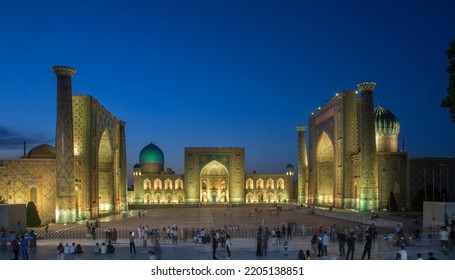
(214, 183)
(105, 173)
(325, 177)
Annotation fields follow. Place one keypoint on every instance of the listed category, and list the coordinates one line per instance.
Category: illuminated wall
(76, 181)
(343, 171)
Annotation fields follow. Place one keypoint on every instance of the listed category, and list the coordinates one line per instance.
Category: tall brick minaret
(64, 146)
(302, 166)
(368, 187)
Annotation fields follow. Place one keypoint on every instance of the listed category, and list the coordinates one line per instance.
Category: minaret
(64, 146)
(368, 188)
(302, 166)
(123, 184)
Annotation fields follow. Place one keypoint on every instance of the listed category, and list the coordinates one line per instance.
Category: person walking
(228, 246)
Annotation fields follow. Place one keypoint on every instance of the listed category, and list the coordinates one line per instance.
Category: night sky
(225, 73)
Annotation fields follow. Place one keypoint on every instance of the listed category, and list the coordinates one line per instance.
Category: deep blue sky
(225, 73)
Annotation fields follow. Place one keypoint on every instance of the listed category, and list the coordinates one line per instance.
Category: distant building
(212, 176)
(436, 174)
(84, 175)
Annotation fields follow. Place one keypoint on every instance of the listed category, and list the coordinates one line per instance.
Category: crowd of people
(278, 238)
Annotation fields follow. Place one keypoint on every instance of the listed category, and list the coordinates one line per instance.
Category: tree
(449, 100)
(32, 216)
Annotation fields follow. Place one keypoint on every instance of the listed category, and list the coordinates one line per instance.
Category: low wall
(353, 217)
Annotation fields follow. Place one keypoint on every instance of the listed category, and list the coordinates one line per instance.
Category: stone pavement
(242, 248)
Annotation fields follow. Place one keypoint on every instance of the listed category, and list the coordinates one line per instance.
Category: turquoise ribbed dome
(151, 154)
(385, 122)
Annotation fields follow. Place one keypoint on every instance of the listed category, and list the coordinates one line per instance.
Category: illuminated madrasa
(212, 176)
(353, 161)
(85, 174)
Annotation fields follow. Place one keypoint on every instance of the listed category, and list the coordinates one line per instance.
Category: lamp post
(77, 187)
(440, 183)
(425, 183)
(432, 172)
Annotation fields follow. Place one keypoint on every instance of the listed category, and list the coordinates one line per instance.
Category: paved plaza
(243, 248)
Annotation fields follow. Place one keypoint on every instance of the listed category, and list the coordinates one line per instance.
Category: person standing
(114, 236)
(303, 231)
(265, 245)
(351, 246)
(367, 248)
(15, 247)
(273, 237)
(289, 231)
(444, 238)
(24, 247)
(175, 235)
(283, 231)
(228, 246)
(259, 245)
(278, 235)
(132, 245)
(342, 243)
(214, 246)
(314, 245)
(145, 237)
(325, 243)
(94, 232)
